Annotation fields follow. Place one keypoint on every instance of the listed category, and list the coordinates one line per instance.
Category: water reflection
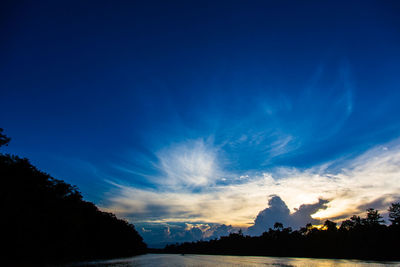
(164, 260)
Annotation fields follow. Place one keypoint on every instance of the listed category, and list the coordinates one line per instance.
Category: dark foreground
(45, 220)
(164, 260)
(365, 238)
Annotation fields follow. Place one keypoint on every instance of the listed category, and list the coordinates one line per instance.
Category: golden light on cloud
(371, 177)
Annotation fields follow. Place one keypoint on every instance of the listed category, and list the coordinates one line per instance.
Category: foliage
(373, 218)
(362, 238)
(394, 214)
(45, 219)
(4, 140)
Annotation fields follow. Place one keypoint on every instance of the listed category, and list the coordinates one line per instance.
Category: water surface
(164, 260)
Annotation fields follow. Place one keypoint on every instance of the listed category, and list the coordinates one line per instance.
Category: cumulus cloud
(217, 231)
(278, 211)
(350, 186)
(160, 234)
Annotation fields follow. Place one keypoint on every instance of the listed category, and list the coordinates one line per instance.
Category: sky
(192, 119)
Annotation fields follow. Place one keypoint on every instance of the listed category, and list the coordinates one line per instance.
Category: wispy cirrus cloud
(287, 146)
(188, 164)
(371, 176)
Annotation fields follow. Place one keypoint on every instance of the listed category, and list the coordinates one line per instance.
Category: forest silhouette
(46, 220)
(356, 238)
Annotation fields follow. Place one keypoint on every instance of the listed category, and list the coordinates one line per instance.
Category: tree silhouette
(46, 220)
(361, 238)
(353, 222)
(278, 226)
(394, 214)
(346, 225)
(4, 140)
(330, 226)
(373, 218)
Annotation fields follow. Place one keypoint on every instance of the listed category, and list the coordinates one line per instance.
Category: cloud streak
(189, 164)
(199, 196)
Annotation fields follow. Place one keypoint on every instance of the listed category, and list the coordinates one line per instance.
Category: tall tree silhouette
(394, 214)
(373, 218)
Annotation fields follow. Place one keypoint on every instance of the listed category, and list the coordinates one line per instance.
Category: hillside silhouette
(356, 238)
(46, 220)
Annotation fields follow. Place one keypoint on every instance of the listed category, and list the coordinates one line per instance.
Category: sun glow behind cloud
(191, 189)
(283, 145)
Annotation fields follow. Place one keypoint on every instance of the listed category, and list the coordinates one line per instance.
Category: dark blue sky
(100, 91)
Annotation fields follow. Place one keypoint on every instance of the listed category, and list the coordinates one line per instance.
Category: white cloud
(372, 176)
(192, 163)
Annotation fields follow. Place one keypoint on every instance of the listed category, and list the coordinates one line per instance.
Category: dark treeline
(46, 220)
(356, 238)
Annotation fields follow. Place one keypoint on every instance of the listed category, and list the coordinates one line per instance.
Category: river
(176, 260)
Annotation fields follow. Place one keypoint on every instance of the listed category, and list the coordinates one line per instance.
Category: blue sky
(151, 106)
